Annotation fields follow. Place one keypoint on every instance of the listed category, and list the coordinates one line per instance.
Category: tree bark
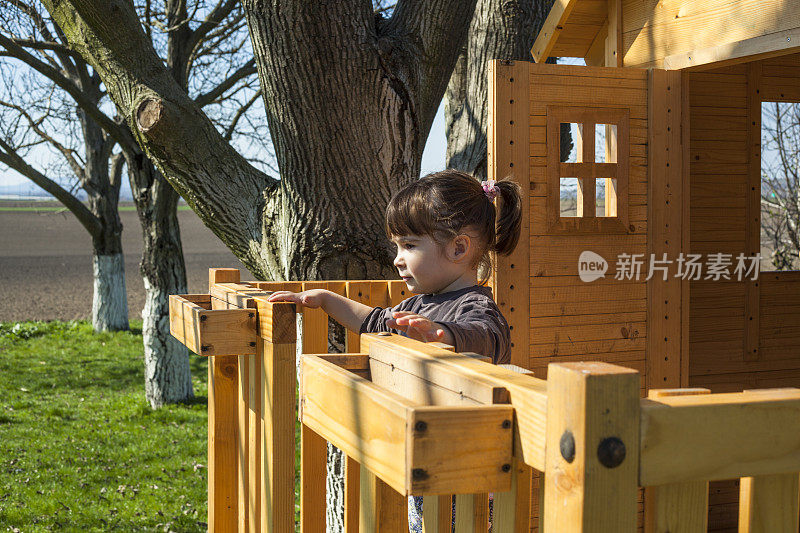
(110, 301)
(500, 29)
(166, 361)
(349, 107)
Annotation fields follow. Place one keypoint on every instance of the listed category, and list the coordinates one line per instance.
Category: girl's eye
(410, 246)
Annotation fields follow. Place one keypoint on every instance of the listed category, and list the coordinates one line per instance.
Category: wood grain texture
(592, 402)
(769, 503)
(719, 436)
(676, 507)
(508, 153)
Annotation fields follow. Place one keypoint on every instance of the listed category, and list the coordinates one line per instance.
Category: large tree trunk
(166, 361)
(500, 29)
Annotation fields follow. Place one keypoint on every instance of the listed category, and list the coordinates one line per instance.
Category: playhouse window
(589, 173)
(780, 192)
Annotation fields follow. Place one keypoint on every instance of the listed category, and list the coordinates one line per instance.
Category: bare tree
(31, 111)
(780, 183)
(206, 41)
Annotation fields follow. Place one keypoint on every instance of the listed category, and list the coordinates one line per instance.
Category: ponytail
(509, 219)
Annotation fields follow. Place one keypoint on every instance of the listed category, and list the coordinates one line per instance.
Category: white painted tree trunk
(166, 361)
(110, 301)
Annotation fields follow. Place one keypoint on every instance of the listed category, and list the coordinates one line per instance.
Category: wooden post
(278, 334)
(592, 452)
(676, 507)
(313, 451)
(352, 488)
(222, 429)
(381, 509)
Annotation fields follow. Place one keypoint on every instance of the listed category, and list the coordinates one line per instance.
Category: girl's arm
(347, 312)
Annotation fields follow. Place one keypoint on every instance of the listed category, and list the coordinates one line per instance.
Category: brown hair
(442, 204)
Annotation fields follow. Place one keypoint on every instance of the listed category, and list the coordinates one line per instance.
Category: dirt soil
(46, 262)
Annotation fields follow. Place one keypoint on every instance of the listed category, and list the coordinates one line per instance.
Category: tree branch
(217, 15)
(10, 158)
(248, 69)
(437, 29)
(224, 189)
(120, 134)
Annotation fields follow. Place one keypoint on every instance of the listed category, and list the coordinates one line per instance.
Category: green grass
(80, 448)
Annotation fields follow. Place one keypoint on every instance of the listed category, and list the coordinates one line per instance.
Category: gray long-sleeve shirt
(470, 314)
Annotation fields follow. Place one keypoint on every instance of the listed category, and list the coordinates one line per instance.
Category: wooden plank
(442, 461)
(465, 510)
(511, 509)
(352, 495)
(731, 53)
(437, 514)
(212, 332)
(551, 29)
(508, 145)
(278, 399)
(665, 323)
(391, 436)
(651, 32)
(222, 444)
(527, 395)
(676, 507)
(222, 275)
(592, 413)
(255, 437)
(719, 436)
(750, 346)
(769, 504)
(313, 473)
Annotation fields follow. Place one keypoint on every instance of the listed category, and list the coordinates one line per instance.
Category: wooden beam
(551, 29)
(719, 436)
(723, 55)
(509, 157)
(413, 448)
(528, 395)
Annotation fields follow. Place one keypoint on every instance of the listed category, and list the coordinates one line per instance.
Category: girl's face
(428, 267)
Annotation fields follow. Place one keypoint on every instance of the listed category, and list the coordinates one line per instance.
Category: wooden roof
(571, 28)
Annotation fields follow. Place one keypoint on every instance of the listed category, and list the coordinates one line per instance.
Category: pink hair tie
(489, 189)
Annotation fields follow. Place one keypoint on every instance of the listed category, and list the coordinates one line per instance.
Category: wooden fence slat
(437, 514)
(352, 488)
(381, 509)
(465, 514)
(278, 380)
(510, 511)
(254, 438)
(359, 291)
(769, 504)
(313, 452)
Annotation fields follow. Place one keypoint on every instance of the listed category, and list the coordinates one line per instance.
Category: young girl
(444, 226)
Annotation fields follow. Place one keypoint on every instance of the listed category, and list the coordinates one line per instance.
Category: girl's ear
(460, 248)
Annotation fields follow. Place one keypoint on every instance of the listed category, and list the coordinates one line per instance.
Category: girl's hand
(312, 298)
(418, 327)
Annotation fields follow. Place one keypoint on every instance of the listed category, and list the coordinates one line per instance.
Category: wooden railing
(416, 418)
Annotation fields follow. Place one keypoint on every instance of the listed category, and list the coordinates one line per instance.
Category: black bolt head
(611, 452)
(567, 446)
(421, 425)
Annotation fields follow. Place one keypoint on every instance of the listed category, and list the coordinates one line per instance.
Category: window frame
(587, 171)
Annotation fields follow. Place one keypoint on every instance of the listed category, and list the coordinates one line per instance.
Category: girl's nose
(397, 261)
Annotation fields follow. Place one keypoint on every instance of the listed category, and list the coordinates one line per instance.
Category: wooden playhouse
(677, 87)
